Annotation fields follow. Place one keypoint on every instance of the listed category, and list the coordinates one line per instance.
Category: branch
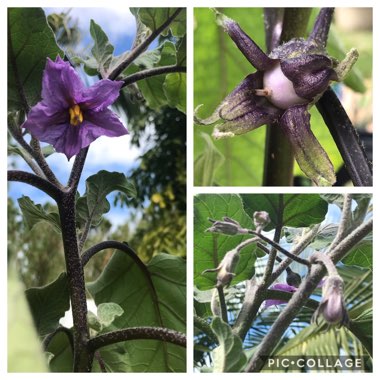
(301, 296)
(77, 168)
(290, 255)
(143, 74)
(113, 244)
(344, 223)
(302, 245)
(346, 139)
(133, 333)
(140, 48)
(38, 182)
(222, 303)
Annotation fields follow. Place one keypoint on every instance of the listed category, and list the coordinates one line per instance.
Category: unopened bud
(227, 226)
(261, 219)
(332, 306)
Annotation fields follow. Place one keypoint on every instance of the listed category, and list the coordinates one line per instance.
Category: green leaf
(361, 254)
(60, 348)
(108, 312)
(153, 88)
(24, 347)
(207, 163)
(150, 295)
(30, 42)
(175, 90)
(229, 356)
(153, 18)
(102, 50)
(300, 210)
(35, 213)
(93, 204)
(209, 249)
(48, 304)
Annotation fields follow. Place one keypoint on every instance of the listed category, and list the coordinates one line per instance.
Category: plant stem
(36, 181)
(82, 355)
(143, 74)
(346, 138)
(133, 333)
(222, 303)
(279, 158)
(140, 48)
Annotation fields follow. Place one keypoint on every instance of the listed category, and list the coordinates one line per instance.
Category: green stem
(279, 158)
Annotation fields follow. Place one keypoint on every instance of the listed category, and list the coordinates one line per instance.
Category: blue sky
(112, 154)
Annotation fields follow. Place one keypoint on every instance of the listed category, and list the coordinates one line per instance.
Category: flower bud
(332, 306)
(292, 278)
(227, 226)
(261, 219)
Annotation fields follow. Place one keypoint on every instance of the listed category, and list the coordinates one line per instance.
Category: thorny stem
(133, 333)
(319, 257)
(143, 74)
(36, 181)
(346, 139)
(222, 303)
(279, 158)
(300, 297)
(140, 48)
(77, 168)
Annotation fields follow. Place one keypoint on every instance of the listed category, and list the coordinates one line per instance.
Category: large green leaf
(229, 356)
(155, 17)
(35, 213)
(152, 295)
(62, 353)
(300, 210)
(209, 249)
(48, 304)
(93, 204)
(30, 42)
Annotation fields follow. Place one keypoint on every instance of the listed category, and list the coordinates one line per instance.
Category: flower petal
(282, 287)
(256, 57)
(61, 84)
(311, 157)
(310, 74)
(45, 125)
(242, 110)
(101, 95)
(104, 123)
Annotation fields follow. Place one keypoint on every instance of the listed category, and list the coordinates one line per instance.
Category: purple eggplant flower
(332, 306)
(282, 287)
(71, 116)
(286, 84)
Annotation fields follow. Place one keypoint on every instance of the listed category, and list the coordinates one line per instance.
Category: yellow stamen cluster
(76, 115)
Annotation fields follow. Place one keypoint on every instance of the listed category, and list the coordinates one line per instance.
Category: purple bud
(332, 306)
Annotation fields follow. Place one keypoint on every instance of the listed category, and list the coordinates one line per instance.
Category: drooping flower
(332, 306)
(71, 116)
(227, 226)
(286, 84)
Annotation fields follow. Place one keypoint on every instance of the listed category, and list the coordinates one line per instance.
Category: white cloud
(115, 21)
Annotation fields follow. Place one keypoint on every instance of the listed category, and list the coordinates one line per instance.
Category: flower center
(76, 115)
(279, 89)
